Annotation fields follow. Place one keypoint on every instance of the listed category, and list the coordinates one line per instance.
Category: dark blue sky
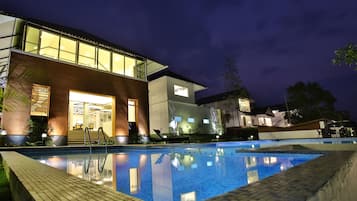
(276, 43)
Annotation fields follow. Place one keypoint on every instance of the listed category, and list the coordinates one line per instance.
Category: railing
(86, 133)
(102, 159)
(101, 131)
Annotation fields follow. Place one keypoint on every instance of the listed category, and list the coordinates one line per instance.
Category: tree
(346, 56)
(310, 102)
(232, 79)
(234, 91)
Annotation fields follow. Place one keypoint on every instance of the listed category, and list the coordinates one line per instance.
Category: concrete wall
(158, 105)
(186, 111)
(342, 186)
(289, 134)
(170, 90)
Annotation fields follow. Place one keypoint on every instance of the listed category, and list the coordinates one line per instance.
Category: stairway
(76, 137)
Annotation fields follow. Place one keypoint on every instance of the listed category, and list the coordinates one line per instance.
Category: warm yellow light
(91, 98)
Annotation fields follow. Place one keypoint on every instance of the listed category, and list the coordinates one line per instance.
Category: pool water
(175, 174)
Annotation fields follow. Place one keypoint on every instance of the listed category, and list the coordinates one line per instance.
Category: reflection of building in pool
(74, 79)
(189, 174)
(173, 108)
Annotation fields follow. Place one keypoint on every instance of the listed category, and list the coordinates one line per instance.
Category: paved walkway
(32, 180)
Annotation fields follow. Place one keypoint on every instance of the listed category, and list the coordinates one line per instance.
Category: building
(234, 110)
(74, 80)
(273, 116)
(172, 106)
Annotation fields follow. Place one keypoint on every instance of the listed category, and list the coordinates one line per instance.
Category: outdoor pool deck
(329, 177)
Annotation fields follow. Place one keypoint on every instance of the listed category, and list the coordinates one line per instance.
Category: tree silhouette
(310, 102)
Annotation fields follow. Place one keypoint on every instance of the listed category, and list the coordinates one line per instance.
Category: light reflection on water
(175, 175)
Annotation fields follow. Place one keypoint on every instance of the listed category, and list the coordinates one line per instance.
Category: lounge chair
(168, 139)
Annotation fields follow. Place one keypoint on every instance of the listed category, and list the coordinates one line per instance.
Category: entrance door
(92, 111)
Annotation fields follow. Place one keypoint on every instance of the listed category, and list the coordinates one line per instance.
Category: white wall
(158, 105)
(185, 111)
(289, 134)
(170, 90)
(342, 186)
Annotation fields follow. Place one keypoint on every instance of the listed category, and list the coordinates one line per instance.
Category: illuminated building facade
(173, 109)
(70, 80)
(234, 111)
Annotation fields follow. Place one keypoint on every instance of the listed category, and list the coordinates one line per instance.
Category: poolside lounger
(168, 139)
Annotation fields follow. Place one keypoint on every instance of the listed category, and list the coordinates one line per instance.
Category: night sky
(276, 43)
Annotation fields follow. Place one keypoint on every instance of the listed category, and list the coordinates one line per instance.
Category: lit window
(90, 110)
(178, 118)
(129, 66)
(180, 91)
(104, 60)
(131, 111)
(244, 105)
(40, 100)
(118, 64)
(252, 176)
(205, 121)
(32, 38)
(86, 55)
(134, 182)
(68, 49)
(268, 122)
(191, 120)
(49, 45)
(261, 121)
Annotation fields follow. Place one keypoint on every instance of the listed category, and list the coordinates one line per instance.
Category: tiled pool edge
(31, 180)
(308, 181)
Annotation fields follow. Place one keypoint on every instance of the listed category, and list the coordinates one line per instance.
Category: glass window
(140, 69)
(261, 121)
(103, 60)
(68, 49)
(268, 122)
(244, 105)
(131, 111)
(86, 55)
(49, 45)
(32, 38)
(180, 91)
(90, 110)
(40, 100)
(118, 63)
(191, 120)
(129, 66)
(205, 121)
(178, 118)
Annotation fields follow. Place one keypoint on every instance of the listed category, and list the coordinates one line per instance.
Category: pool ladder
(87, 135)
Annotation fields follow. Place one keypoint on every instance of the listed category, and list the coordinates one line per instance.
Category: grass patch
(5, 193)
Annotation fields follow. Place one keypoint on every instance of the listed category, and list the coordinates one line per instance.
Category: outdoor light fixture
(3, 132)
(44, 136)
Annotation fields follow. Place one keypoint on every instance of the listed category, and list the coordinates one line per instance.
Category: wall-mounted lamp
(44, 136)
(3, 132)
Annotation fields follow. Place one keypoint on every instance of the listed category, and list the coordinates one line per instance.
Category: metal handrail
(86, 132)
(101, 163)
(100, 130)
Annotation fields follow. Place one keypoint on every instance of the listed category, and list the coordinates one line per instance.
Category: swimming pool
(176, 173)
